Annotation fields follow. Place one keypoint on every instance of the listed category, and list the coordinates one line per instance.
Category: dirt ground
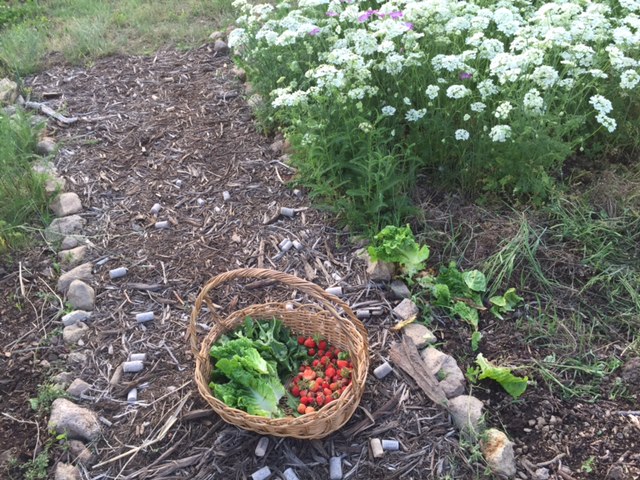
(174, 129)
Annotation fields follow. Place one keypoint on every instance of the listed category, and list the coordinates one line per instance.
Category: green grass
(83, 30)
(21, 190)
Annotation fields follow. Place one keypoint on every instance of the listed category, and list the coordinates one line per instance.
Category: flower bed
(488, 96)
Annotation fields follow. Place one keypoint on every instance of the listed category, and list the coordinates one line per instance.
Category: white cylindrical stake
(140, 357)
(226, 196)
(144, 317)
(118, 272)
(337, 291)
(383, 370)
(297, 245)
(285, 245)
(391, 445)
(376, 448)
(261, 448)
(261, 474)
(362, 314)
(156, 208)
(200, 202)
(132, 396)
(162, 225)
(132, 367)
(335, 468)
(287, 212)
(289, 474)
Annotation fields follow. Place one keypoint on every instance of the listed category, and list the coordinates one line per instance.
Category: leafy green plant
(398, 245)
(514, 386)
(504, 303)
(247, 366)
(47, 393)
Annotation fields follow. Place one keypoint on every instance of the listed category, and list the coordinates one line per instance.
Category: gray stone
(466, 412)
(217, 35)
(8, 91)
(277, 147)
(220, 46)
(80, 423)
(53, 185)
(543, 474)
(399, 289)
(61, 227)
(498, 453)
(239, 73)
(420, 334)
(77, 359)
(255, 101)
(80, 452)
(46, 146)
(379, 271)
(66, 204)
(73, 256)
(446, 370)
(81, 296)
(78, 387)
(406, 309)
(82, 272)
(62, 380)
(65, 471)
(75, 317)
(75, 332)
(72, 241)
(44, 167)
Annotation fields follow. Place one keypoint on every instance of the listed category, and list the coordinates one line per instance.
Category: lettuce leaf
(514, 386)
(397, 245)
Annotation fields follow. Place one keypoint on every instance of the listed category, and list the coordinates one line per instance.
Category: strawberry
(309, 410)
(308, 374)
(321, 352)
(316, 362)
(302, 408)
(311, 352)
(310, 343)
(305, 400)
(301, 340)
(330, 372)
(295, 391)
(327, 392)
(322, 345)
(342, 363)
(320, 400)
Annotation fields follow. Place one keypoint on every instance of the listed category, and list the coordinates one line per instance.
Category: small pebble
(376, 448)
(118, 272)
(285, 245)
(261, 474)
(132, 396)
(335, 468)
(383, 370)
(297, 193)
(217, 209)
(337, 291)
(75, 317)
(289, 474)
(391, 445)
(297, 245)
(226, 196)
(138, 357)
(201, 202)
(156, 208)
(261, 448)
(162, 225)
(144, 317)
(132, 367)
(178, 183)
(287, 212)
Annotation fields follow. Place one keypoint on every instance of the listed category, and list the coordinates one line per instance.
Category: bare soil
(174, 128)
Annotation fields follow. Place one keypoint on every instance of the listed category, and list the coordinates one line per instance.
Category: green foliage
(47, 393)
(36, 469)
(514, 386)
(13, 11)
(398, 245)
(505, 303)
(21, 189)
(248, 365)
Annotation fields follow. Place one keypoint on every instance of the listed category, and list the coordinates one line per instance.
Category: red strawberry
(327, 392)
(330, 372)
(295, 391)
(322, 345)
(305, 400)
(342, 363)
(301, 408)
(309, 410)
(308, 374)
(310, 343)
(311, 352)
(301, 340)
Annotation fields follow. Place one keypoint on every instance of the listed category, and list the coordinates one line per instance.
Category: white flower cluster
(398, 56)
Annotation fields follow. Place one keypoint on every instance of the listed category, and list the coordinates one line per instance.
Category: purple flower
(332, 14)
(409, 25)
(465, 76)
(315, 31)
(367, 15)
(395, 15)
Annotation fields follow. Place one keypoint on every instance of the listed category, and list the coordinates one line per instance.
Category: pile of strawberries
(323, 378)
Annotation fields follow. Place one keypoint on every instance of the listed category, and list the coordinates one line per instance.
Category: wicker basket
(328, 316)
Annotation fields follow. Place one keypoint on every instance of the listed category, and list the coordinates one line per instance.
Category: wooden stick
(50, 112)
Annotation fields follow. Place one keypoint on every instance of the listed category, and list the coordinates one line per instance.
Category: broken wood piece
(376, 448)
(50, 112)
(152, 287)
(406, 356)
(400, 325)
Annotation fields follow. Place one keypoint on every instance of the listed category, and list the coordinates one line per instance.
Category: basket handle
(311, 289)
